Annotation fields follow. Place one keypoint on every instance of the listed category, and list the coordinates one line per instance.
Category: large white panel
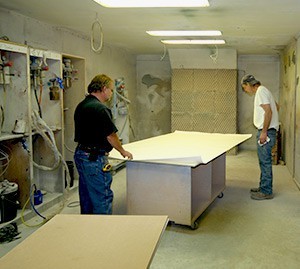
(182, 148)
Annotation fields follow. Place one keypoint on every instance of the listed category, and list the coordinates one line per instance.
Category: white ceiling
(249, 26)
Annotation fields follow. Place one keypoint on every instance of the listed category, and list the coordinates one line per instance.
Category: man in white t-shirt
(266, 121)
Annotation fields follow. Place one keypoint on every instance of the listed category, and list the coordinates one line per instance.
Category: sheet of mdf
(89, 241)
(182, 147)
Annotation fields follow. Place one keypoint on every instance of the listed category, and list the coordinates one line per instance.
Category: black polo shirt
(93, 123)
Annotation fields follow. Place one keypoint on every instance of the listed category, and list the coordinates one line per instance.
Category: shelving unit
(15, 86)
(74, 92)
(32, 81)
(14, 100)
(47, 167)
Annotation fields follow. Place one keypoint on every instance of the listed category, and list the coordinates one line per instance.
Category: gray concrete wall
(297, 119)
(288, 105)
(152, 114)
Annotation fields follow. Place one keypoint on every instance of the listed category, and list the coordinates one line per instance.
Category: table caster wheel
(221, 195)
(195, 225)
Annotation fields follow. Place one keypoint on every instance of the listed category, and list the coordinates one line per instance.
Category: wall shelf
(15, 105)
(20, 79)
(34, 81)
(7, 136)
(46, 71)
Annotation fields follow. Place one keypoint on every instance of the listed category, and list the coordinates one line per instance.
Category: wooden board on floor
(89, 241)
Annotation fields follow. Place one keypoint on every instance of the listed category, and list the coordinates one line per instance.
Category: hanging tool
(5, 65)
(37, 68)
(119, 100)
(68, 72)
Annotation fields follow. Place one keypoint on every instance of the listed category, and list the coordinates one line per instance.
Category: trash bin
(8, 200)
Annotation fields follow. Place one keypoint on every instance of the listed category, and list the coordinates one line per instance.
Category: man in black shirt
(96, 136)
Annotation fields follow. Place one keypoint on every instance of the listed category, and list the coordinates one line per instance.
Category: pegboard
(204, 100)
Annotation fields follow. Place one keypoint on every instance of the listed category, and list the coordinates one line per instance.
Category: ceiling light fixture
(194, 42)
(153, 3)
(184, 33)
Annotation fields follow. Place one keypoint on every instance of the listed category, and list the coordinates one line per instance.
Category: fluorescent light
(184, 33)
(153, 3)
(193, 42)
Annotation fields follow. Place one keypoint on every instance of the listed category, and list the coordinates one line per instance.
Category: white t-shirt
(262, 97)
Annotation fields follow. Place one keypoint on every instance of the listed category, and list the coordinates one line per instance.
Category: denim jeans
(95, 192)
(265, 162)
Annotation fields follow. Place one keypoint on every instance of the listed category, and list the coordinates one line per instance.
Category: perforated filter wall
(204, 100)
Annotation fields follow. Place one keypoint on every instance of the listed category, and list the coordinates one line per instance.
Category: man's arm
(267, 121)
(114, 140)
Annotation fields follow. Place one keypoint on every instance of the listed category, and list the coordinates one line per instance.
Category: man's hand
(113, 139)
(127, 154)
(263, 137)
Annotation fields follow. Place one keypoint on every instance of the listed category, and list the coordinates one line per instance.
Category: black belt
(90, 149)
(269, 129)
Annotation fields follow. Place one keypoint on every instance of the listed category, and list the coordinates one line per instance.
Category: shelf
(13, 47)
(33, 80)
(53, 129)
(8, 136)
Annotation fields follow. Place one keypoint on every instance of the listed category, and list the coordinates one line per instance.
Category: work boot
(261, 196)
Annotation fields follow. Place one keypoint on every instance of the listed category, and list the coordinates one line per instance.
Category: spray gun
(119, 100)
(35, 71)
(37, 67)
(5, 64)
(68, 72)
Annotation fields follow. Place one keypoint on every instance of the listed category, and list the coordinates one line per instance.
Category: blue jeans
(95, 192)
(265, 162)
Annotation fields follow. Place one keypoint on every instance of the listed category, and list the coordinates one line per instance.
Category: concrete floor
(234, 232)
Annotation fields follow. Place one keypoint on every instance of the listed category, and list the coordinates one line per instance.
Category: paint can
(8, 201)
(54, 93)
(37, 197)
